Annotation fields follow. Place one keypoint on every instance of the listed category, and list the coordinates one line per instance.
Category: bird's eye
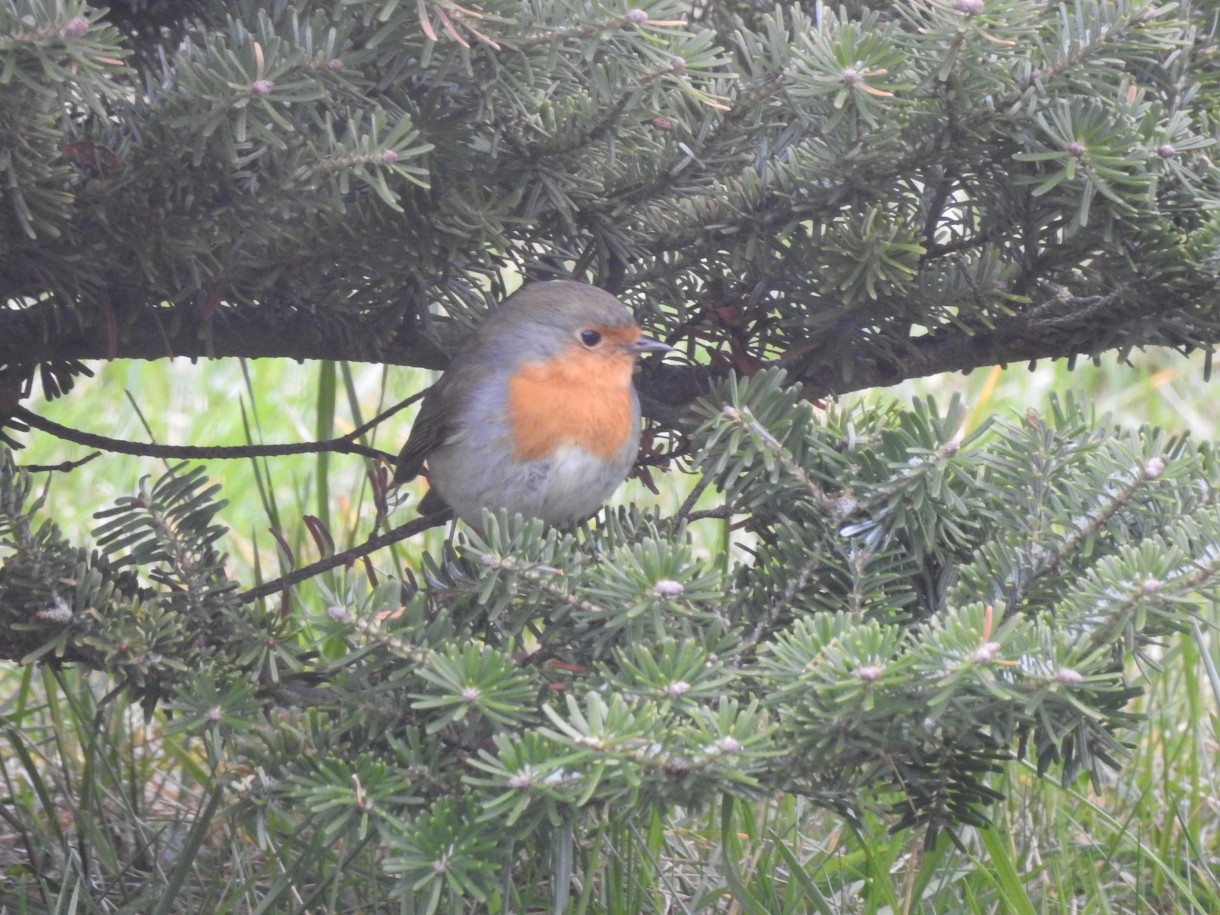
(590, 338)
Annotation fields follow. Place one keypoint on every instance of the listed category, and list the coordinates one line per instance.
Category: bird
(537, 413)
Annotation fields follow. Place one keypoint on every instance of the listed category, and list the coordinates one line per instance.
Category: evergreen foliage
(856, 193)
(866, 191)
(912, 611)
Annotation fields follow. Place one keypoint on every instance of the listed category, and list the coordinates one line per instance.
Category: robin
(537, 413)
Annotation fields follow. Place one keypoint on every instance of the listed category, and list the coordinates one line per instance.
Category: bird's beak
(648, 345)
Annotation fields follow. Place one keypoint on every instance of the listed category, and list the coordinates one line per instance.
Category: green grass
(90, 788)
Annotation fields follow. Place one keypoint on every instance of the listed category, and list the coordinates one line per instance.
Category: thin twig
(346, 444)
(394, 535)
(721, 512)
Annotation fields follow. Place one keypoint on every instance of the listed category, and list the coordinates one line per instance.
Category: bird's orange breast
(579, 398)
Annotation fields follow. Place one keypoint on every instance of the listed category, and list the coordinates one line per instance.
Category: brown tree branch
(45, 332)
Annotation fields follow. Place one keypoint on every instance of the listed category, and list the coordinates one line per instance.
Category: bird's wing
(431, 429)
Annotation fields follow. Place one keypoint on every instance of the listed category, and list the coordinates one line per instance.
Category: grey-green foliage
(904, 610)
(915, 186)
(865, 191)
(153, 605)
